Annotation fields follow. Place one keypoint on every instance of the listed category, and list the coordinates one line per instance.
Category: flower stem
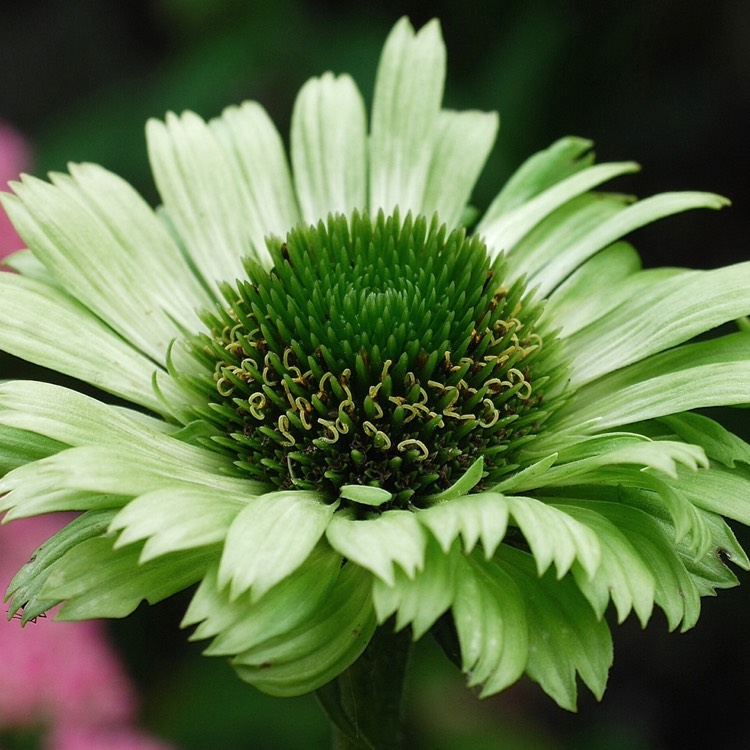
(364, 703)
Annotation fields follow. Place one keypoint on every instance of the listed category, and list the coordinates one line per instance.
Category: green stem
(364, 703)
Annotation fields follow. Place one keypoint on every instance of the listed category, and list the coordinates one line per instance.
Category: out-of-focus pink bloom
(14, 159)
(62, 675)
(101, 738)
(55, 671)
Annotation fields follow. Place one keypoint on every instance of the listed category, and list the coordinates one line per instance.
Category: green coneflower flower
(348, 412)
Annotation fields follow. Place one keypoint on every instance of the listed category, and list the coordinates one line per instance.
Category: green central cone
(381, 353)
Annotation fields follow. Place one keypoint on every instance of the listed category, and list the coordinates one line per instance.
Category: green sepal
(176, 518)
(481, 516)
(622, 577)
(421, 600)
(711, 572)
(554, 536)
(241, 624)
(565, 635)
(100, 581)
(490, 618)
(25, 590)
(647, 526)
(270, 538)
(377, 543)
(320, 647)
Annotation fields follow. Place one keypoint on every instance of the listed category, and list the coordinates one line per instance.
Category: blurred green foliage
(665, 82)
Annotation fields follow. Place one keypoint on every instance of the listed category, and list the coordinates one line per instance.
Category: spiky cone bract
(343, 408)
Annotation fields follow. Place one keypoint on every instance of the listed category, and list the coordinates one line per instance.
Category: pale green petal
(579, 302)
(202, 192)
(177, 518)
(28, 265)
(718, 490)
(565, 635)
(563, 228)
(493, 631)
(32, 489)
(612, 449)
(653, 539)
(406, 105)
(609, 230)
(539, 172)
(127, 472)
(241, 624)
(720, 444)
(420, 600)
(504, 232)
(377, 543)
(256, 150)
(318, 649)
(70, 340)
(553, 536)
(661, 316)
(329, 148)
(710, 373)
(271, 538)
(622, 576)
(96, 580)
(483, 515)
(79, 420)
(464, 141)
(106, 247)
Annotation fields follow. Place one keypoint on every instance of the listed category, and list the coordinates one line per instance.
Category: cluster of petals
(63, 676)
(619, 499)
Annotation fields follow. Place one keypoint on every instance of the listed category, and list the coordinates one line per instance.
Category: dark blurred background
(664, 82)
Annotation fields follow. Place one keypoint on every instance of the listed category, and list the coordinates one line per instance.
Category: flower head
(346, 403)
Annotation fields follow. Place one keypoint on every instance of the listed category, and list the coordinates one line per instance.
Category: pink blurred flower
(15, 157)
(101, 738)
(62, 675)
(55, 671)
